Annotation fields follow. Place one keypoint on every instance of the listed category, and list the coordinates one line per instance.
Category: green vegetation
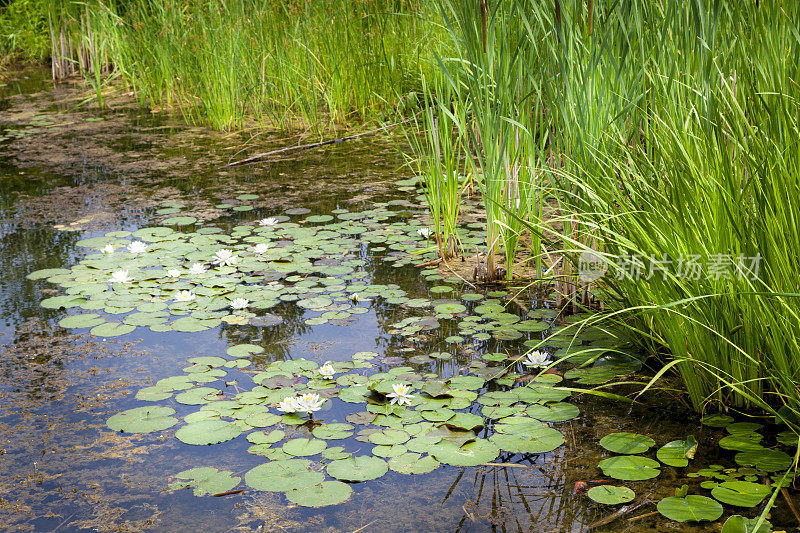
(23, 30)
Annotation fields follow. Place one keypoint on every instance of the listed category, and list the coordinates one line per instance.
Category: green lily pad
(470, 454)
(283, 476)
(413, 463)
(358, 468)
(766, 460)
(677, 452)
(536, 439)
(143, 419)
(610, 494)
(324, 494)
(195, 396)
(205, 480)
(111, 329)
(630, 468)
(387, 437)
(333, 431)
(303, 447)
(690, 509)
(740, 524)
(740, 493)
(630, 443)
(208, 432)
(85, 320)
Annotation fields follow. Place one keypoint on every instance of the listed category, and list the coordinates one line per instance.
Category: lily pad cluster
(465, 420)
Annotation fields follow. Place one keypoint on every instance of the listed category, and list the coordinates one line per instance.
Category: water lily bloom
(137, 247)
(260, 248)
(197, 268)
(225, 257)
(120, 276)
(174, 273)
(400, 394)
(309, 403)
(108, 249)
(536, 359)
(425, 232)
(288, 405)
(185, 296)
(269, 221)
(240, 303)
(327, 371)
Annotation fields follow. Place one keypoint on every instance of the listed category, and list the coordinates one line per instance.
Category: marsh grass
(313, 64)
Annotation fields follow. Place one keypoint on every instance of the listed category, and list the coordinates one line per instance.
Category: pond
(157, 312)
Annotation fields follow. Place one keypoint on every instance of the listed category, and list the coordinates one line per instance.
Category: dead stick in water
(228, 493)
(613, 516)
(645, 515)
(256, 157)
(791, 504)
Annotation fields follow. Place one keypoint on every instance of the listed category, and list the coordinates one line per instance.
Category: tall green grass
(300, 64)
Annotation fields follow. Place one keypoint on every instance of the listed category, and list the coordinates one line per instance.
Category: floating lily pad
(283, 476)
(630, 468)
(741, 493)
(610, 494)
(678, 452)
(208, 432)
(111, 329)
(303, 447)
(766, 460)
(537, 439)
(630, 443)
(205, 480)
(358, 468)
(690, 509)
(470, 454)
(413, 463)
(333, 431)
(326, 493)
(740, 524)
(85, 320)
(143, 420)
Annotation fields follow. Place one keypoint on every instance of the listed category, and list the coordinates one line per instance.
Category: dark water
(62, 469)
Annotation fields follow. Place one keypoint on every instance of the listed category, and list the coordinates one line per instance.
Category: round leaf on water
(208, 432)
(326, 493)
(302, 447)
(630, 468)
(152, 394)
(85, 320)
(196, 396)
(740, 524)
(540, 439)
(262, 437)
(283, 475)
(690, 509)
(611, 495)
(716, 420)
(629, 443)
(180, 221)
(206, 480)
(742, 442)
(554, 412)
(358, 468)
(470, 454)
(678, 452)
(333, 431)
(143, 419)
(243, 350)
(387, 437)
(740, 493)
(766, 460)
(466, 421)
(111, 329)
(413, 463)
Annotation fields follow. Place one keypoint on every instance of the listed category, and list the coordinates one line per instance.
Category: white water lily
(197, 268)
(269, 221)
(425, 232)
(260, 248)
(137, 247)
(120, 276)
(240, 303)
(185, 296)
(536, 359)
(174, 273)
(308, 403)
(107, 249)
(288, 405)
(327, 371)
(225, 257)
(400, 395)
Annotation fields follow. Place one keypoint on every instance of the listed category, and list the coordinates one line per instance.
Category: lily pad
(413, 463)
(208, 432)
(690, 509)
(740, 493)
(326, 493)
(630, 443)
(358, 468)
(740, 524)
(677, 452)
(303, 447)
(766, 460)
(205, 480)
(333, 431)
(283, 475)
(538, 439)
(630, 468)
(470, 454)
(143, 420)
(611, 495)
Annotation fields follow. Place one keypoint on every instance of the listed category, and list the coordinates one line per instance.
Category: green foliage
(23, 29)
